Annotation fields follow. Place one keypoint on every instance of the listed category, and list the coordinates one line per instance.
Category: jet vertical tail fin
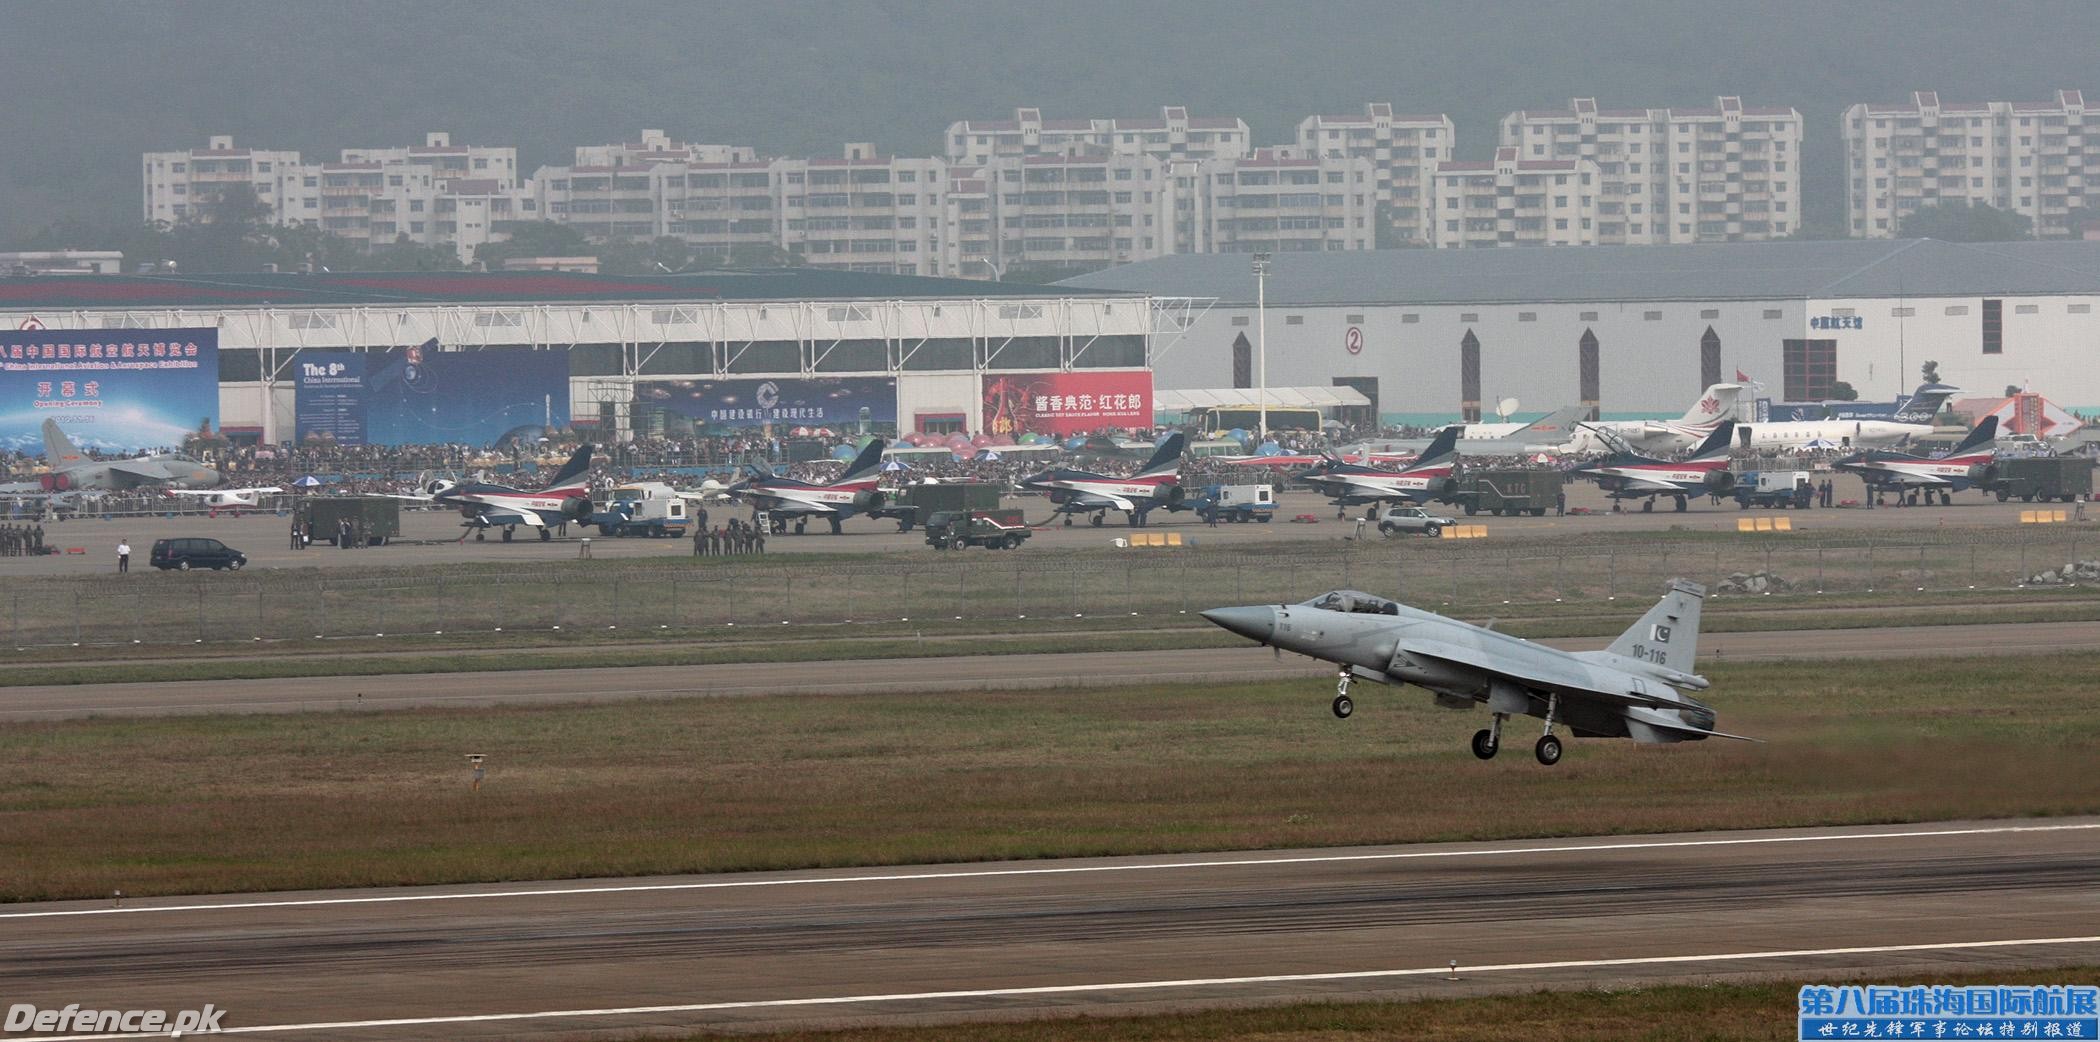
(1167, 458)
(573, 471)
(1441, 449)
(1668, 636)
(59, 450)
(1715, 403)
(1980, 436)
(1717, 443)
(866, 465)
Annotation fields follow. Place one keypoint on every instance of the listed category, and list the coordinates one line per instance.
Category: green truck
(914, 504)
(373, 519)
(2028, 478)
(1507, 491)
(991, 529)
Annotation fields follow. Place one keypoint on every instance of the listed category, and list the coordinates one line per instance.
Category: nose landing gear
(1343, 704)
(1488, 740)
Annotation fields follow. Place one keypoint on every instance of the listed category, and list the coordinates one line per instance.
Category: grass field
(1719, 1012)
(687, 594)
(193, 804)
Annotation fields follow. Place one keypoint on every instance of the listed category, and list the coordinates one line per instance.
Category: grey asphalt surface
(963, 673)
(614, 958)
(434, 537)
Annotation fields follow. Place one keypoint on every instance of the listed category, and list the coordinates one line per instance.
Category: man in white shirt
(123, 555)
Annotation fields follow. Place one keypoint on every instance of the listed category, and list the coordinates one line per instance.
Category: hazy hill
(94, 83)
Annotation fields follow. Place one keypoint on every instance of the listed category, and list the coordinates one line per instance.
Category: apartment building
(1403, 149)
(1174, 134)
(2032, 158)
(863, 211)
(1723, 173)
(180, 184)
(1281, 202)
(1513, 201)
(1058, 211)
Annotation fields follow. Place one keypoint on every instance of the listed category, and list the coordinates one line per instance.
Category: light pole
(1261, 343)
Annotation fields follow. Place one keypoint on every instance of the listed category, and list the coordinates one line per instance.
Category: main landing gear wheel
(1548, 750)
(1680, 504)
(480, 536)
(508, 533)
(1343, 706)
(1484, 744)
(1097, 520)
(1648, 506)
(546, 535)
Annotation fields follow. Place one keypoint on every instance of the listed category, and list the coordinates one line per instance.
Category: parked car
(185, 554)
(1412, 520)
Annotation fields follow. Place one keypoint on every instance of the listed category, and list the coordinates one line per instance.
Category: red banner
(1067, 403)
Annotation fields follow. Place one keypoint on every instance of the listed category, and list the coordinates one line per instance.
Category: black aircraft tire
(1548, 750)
(1096, 520)
(1680, 504)
(506, 535)
(1343, 706)
(546, 535)
(1484, 745)
(1648, 506)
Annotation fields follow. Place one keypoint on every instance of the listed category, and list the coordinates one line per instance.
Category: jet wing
(1097, 501)
(139, 470)
(500, 517)
(1632, 484)
(1463, 658)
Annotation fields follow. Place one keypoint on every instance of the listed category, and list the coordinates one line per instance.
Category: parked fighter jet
(72, 471)
(1962, 467)
(1630, 690)
(1632, 476)
(226, 498)
(1428, 478)
(487, 505)
(1156, 485)
(853, 493)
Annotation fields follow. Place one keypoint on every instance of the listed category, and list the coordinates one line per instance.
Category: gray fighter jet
(1632, 689)
(72, 472)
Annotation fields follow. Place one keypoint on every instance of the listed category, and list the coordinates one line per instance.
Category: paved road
(969, 673)
(1111, 935)
(263, 537)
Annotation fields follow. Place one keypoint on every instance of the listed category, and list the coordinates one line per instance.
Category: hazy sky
(95, 83)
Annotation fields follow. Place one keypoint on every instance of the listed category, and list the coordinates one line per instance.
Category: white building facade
(2036, 159)
(1514, 202)
(179, 185)
(1725, 173)
(1404, 151)
(1174, 134)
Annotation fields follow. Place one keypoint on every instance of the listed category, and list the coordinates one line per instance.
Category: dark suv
(185, 554)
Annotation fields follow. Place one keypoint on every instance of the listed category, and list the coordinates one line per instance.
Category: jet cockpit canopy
(1355, 602)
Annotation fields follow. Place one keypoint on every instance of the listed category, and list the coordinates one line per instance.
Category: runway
(612, 958)
(964, 673)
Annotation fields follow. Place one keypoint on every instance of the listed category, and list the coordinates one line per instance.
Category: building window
(2027, 309)
(2080, 309)
(1771, 312)
(1354, 320)
(1903, 312)
(1710, 313)
(1239, 320)
(1709, 358)
(1468, 316)
(1994, 327)
(1957, 309)
(1651, 316)
(1408, 320)
(1587, 316)
(1294, 320)
(1527, 316)
(1587, 372)
(1810, 368)
(1469, 377)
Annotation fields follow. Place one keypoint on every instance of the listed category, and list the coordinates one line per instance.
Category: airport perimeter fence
(951, 591)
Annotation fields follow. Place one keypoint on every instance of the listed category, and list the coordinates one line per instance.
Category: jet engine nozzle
(1984, 473)
(870, 500)
(1172, 495)
(1719, 480)
(576, 508)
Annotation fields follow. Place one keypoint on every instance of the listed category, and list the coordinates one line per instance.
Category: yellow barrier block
(2062, 516)
(1173, 538)
(1152, 539)
(1744, 524)
(1764, 524)
(2027, 517)
(1782, 524)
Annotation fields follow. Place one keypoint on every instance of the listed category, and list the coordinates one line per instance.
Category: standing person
(758, 538)
(699, 536)
(1560, 503)
(123, 556)
(295, 534)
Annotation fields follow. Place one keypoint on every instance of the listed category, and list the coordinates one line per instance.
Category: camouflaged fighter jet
(1629, 690)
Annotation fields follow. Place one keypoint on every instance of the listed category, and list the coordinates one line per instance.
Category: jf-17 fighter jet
(1633, 689)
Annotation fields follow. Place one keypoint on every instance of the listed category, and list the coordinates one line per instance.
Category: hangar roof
(1842, 268)
(393, 289)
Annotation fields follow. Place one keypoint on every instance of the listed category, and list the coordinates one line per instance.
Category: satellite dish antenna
(1506, 408)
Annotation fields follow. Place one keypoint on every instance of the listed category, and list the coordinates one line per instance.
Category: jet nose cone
(1257, 622)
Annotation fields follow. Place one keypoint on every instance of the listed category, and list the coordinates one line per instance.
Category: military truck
(914, 504)
(991, 529)
(2029, 478)
(375, 519)
(1507, 491)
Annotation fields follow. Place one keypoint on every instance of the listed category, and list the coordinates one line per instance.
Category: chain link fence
(706, 593)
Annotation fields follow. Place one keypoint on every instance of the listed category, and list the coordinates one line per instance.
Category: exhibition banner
(112, 390)
(426, 396)
(1080, 402)
(826, 401)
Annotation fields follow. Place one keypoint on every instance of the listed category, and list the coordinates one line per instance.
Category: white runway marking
(1084, 989)
(1167, 866)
